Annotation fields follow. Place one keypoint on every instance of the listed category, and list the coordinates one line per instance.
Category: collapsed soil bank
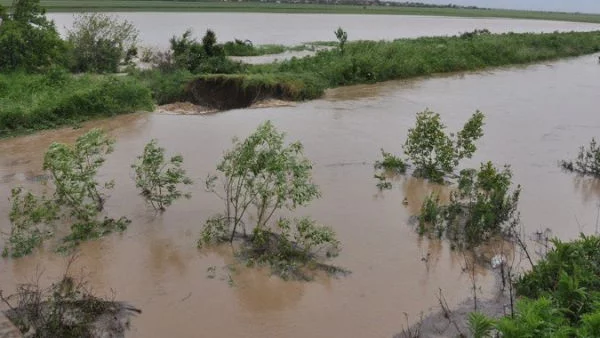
(223, 92)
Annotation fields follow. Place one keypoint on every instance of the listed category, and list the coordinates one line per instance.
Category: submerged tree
(587, 162)
(483, 206)
(32, 221)
(435, 153)
(260, 176)
(73, 171)
(159, 179)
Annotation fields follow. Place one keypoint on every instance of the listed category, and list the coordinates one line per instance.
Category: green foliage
(569, 274)
(209, 42)
(73, 171)
(246, 48)
(202, 58)
(391, 163)
(374, 61)
(342, 37)
(535, 318)
(260, 176)
(166, 86)
(100, 42)
(432, 214)
(159, 179)
(28, 41)
(31, 220)
(480, 326)
(559, 297)
(587, 162)
(433, 152)
(483, 206)
(34, 102)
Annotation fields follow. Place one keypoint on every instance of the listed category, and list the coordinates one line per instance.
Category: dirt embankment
(233, 92)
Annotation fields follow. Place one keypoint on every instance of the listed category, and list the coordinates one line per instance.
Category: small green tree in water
(483, 206)
(587, 162)
(262, 175)
(435, 153)
(73, 171)
(159, 179)
(32, 220)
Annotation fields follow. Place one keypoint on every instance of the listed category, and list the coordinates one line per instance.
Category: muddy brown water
(536, 115)
(290, 29)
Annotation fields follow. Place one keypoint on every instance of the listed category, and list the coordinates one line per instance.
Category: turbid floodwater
(536, 116)
(289, 29)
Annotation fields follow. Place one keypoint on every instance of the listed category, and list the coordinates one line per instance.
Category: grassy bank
(374, 61)
(35, 102)
(258, 7)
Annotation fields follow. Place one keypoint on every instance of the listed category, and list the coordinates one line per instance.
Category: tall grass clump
(33, 101)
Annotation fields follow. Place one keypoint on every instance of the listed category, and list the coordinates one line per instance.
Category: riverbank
(272, 7)
(35, 102)
(363, 62)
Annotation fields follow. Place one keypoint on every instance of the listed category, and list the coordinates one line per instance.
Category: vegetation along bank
(47, 81)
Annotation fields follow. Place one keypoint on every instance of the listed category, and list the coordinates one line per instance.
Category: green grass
(369, 62)
(35, 102)
(239, 48)
(218, 6)
(374, 61)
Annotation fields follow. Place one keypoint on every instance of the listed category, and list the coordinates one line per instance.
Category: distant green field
(218, 6)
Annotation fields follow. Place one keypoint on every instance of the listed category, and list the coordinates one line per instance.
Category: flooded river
(536, 115)
(289, 29)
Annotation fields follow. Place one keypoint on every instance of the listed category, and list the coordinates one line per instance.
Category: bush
(434, 153)
(159, 179)
(28, 41)
(202, 58)
(246, 48)
(559, 297)
(483, 206)
(262, 176)
(587, 162)
(32, 220)
(100, 42)
(73, 171)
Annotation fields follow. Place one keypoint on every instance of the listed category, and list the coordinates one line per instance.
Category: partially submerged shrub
(262, 176)
(587, 162)
(391, 163)
(483, 206)
(32, 221)
(434, 153)
(159, 179)
(68, 309)
(73, 171)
